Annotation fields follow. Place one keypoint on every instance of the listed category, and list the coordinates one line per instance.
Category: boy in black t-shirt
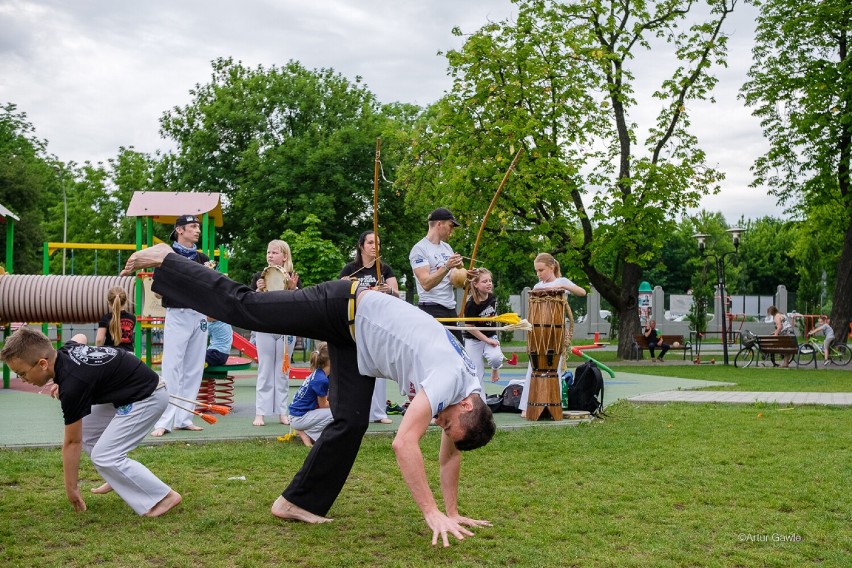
(88, 376)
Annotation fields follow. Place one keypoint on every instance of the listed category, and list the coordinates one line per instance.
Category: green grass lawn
(655, 485)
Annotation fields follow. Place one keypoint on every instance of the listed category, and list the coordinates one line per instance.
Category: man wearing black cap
(431, 261)
(184, 336)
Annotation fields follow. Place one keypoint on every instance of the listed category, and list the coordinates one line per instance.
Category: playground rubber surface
(29, 419)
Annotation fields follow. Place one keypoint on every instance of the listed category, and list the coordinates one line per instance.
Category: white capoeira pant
(379, 404)
(313, 422)
(480, 351)
(110, 433)
(184, 349)
(273, 385)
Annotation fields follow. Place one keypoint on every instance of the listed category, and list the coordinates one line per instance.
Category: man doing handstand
(369, 334)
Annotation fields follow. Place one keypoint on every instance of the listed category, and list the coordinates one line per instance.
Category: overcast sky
(93, 75)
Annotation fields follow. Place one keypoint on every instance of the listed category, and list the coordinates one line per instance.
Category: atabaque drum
(545, 345)
(546, 340)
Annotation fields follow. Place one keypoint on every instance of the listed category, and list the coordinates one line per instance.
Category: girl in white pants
(483, 344)
(273, 384)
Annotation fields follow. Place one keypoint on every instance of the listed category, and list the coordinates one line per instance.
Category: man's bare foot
(305, 438)
(165, 505)
(191, 428)
(159, 432)
(284, 419)
(258, 421)
(283, 509)
(105, 488)
(151, 257)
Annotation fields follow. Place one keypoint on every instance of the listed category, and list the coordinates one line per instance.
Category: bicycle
(838, 354)
(751, 353)
(746, 355)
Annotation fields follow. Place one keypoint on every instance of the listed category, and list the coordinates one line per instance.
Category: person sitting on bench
(654, 341)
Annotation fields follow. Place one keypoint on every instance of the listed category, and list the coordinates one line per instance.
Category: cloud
(96, 75)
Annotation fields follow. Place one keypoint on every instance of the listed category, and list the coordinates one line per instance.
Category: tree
(284, 143)
(98, 196)
(319, 259)
(27, 183)
(559, 81)
(800, 87)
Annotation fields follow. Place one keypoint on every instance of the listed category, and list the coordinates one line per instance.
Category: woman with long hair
(363, 269)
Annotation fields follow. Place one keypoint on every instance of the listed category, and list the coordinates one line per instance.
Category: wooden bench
(682, 345)
(780, 345)
(640, 343)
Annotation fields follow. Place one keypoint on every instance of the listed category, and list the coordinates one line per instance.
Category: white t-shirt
(425, 253)
(561, 281)
(396, 340)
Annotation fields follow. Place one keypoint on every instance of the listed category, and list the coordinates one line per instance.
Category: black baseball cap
(441, 214)
(181, 221)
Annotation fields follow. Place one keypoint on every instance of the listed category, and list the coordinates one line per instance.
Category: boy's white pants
(110, 433)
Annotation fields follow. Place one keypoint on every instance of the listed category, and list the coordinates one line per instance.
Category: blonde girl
(116, 327)
(273, 384)
(310, 412)
(483, 344)
(549, 277)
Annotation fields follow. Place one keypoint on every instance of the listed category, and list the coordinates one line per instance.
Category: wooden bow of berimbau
(376, 209)
(485, 220)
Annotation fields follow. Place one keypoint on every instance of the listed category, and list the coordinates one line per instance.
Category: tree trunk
(841, 308)
(628, 312)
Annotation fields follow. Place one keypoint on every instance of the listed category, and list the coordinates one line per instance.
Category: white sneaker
(827, 363)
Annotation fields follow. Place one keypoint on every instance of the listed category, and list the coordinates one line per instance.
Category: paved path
(744, 397)
(35, 420)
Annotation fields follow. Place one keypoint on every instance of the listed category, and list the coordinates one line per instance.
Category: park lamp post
(719, 258)
(59, 170)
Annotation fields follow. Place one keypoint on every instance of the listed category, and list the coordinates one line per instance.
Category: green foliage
(799, 87)
(314, 258)
(558, 81)
(98, 196)
(764, 259)
(283, 143)
(27, 182)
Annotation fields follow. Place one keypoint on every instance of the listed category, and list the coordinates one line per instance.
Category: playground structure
(59, 299)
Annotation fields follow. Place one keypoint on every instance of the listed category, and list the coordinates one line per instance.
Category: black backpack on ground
(509, 401)
(586, 389)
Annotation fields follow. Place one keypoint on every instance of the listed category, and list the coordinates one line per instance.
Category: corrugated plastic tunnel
(59, 299)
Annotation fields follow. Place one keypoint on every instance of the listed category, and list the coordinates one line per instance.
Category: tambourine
(275, 277)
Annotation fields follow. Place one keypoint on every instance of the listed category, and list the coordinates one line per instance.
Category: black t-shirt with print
(89, 375)
(486, 309)
(128, 325)
(366, 275)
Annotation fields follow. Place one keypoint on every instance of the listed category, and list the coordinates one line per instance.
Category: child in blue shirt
(309, 411)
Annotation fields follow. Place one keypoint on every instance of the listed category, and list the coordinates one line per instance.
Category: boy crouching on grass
(87, 376)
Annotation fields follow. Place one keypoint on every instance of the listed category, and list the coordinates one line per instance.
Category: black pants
(319, 312)
(439, 311)
(664, 348)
